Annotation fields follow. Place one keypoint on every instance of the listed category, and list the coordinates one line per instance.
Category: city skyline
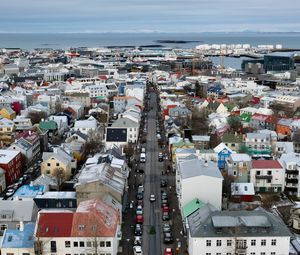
(142, 16)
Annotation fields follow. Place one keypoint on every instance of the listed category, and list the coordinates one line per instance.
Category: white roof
(7, 155)
(240, 157)
(221, 147)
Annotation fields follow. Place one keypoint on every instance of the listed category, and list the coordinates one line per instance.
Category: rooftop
(7, 155)
(261, 164)
(29, 191)
(191, 207)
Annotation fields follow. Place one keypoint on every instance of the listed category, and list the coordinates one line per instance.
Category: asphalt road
(153, 168)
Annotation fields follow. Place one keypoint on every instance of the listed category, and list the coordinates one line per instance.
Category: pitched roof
(48, 125)
(116, 134)
(54, 224)
(191, 207)
(260, 164)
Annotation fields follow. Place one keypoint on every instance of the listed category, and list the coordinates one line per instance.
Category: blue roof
(14, 238)
(29, 191)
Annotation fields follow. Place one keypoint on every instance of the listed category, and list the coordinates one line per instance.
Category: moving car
(152, 198)
(142, 157)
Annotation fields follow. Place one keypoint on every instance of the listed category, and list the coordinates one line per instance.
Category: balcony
(263, 177)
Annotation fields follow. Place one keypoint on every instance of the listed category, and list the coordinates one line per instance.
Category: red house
(11, 163)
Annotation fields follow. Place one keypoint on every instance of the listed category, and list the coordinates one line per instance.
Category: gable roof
(191, 207)
(261, 164)
(54, 224)
(222, 147)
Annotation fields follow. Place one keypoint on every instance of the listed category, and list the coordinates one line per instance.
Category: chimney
(21, 226)
(205, 163)
(29, 132)
(31, 184)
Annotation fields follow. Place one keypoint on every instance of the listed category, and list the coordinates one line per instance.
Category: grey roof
(257, 135)
(21, 210)
(196, 167)
(238, 223)
(125, 123)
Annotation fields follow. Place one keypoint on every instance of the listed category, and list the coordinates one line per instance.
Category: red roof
(259, 164)
(55, 224)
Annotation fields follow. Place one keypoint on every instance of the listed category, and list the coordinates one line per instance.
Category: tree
(58, 106)
(235, 123)
(36, 117)
(199, 122)
(60, 175)
(94, 144)
(199, 90)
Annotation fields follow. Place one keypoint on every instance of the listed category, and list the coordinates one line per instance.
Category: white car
(152, 198)
(137, 241)
(139, 210)
(9, 192)
(137, 250)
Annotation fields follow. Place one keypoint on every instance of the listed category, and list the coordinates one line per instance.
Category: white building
(86, 126)
(132, 128)
(195, 178)
(237, 233)
(267, 175)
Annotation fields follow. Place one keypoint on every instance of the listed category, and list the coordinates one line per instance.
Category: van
(143, 157)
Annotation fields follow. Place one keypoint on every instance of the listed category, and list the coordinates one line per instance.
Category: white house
(196, 178)
(267, 175)
(132, 128)
(255, 232)
(86, 126)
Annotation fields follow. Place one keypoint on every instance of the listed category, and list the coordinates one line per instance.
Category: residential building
(8, 113)
(56, 161)
(116, 136)
(25, 148)
(224, 153)
(19, 241)
(201, 141)
(233, 141)
(194, 178)
(7, 132)
(267, 176)
(286, 103)
(238, 166)
(258, 143)
(284, 127)
(255, 232)
(56, 200)
(49, 126)
(132, 128)
(11, 163)
(121, 103)
(86, 127)
(22, 123)
(291, 164)
(12, 212)
(78, 96)
(242, 192)
(93, 228)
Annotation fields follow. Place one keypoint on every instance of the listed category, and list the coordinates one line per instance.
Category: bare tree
(60, 175)
(58, 106)
(199, 122)
(94, 144)
(235, 123)
(36, 117)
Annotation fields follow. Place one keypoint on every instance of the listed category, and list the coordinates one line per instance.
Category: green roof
(230, 106)
(232, 138)
(191, 207)
(48, 125)
(182, 143)
(245, 117)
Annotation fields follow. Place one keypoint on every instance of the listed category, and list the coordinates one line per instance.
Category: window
(75, 244)
(234, 173)
(88, 244)
(228, 253)
(218, 253)
(208, 242)
(219, 242)
(257, 172)
(67, 244)
(273, 253)
(108, 244)
(57, 164)
(53, 246)
(253, 242)
(262, 253)
(81, 227)
(9, 253)
(208, 253)
(70, 203)
(26, 253)
(3, 227)
(263, 242)
(252, 253)
(273, 242)
(229, 242)
(81, 244)
(48, 164)
(269, 172)
(102, 244)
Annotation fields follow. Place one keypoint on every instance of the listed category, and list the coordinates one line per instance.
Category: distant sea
(64, 41)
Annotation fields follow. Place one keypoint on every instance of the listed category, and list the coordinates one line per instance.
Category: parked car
(165, 216)
(152, 198)
(166, 228)
(168, 251)
(141, 188)
(139, 210)
(138, 230)
(131, 205)
(160, 156)
(9, 192)
(140, 203)
(137, 241)
(165, 209)
(168, 238)
(137, 250)
(139, 219)
(163, 183)
(139, 196)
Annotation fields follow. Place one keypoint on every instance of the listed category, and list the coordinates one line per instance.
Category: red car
(168, 251)
(139, 219)
(165, 209)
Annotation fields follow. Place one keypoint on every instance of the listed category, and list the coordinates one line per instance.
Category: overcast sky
(153, 15)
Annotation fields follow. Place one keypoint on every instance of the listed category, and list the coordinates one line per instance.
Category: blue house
(19, 241)
(223, 152)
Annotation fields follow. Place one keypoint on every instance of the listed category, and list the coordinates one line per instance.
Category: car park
(137, 250)
(152, 198)
(168, 238)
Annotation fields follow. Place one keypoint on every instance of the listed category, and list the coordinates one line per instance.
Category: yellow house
(8, 113)
(182, 145)
(58, 164)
